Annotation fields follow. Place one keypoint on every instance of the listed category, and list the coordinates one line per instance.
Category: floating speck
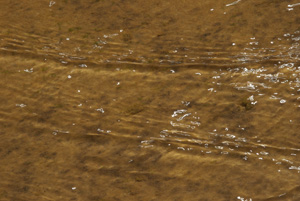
(100, 130)
(69, 76)
(28, 70)
(82, 65)
(21, 105)
(51, 3)
(282, 101)
(100, 110)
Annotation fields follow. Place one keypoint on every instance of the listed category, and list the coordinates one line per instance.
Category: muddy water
(149, 100)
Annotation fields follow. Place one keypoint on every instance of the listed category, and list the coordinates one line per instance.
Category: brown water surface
(149, 100)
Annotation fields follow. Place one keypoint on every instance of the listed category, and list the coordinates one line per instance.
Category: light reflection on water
(115, 100)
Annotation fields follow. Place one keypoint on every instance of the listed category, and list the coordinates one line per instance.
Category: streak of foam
(233, 3)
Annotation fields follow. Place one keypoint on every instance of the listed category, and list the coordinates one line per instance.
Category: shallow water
(149, 100)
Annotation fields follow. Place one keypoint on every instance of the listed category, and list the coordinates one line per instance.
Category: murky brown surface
(149, 100)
